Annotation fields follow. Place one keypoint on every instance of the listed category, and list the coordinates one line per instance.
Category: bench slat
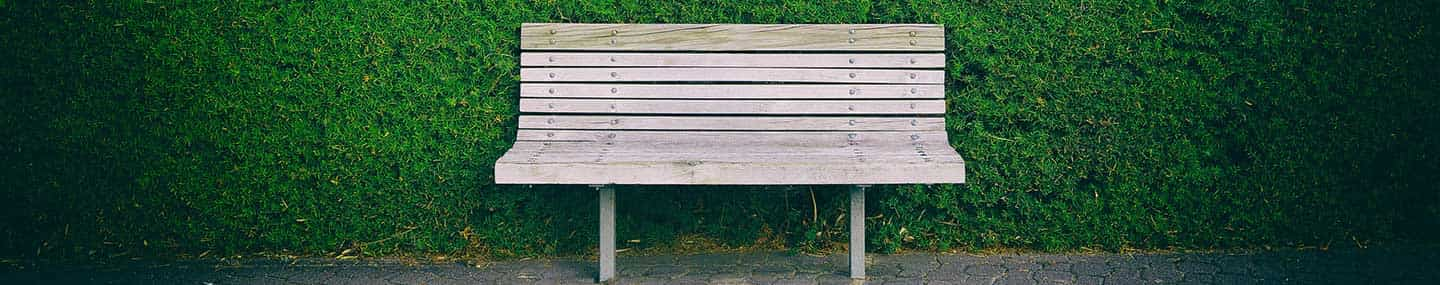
(790, 107)
(611, 59)
(733, 123)
(757, 137)
(653, 74)
(732, 91)
(730, 173)
(733, 37)
(578, 151)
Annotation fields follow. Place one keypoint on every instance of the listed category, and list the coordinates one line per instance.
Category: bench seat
(733, 158)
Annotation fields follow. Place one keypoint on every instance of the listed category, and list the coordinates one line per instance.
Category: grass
(159, 128)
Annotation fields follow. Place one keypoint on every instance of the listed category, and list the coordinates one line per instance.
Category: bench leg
(607, 233)
(857, 231)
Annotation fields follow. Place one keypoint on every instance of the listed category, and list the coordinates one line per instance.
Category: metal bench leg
(607, 233)
(857, 231)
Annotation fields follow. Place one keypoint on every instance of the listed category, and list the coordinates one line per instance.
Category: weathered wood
(857, 231)
(733, 123)
(755, 137)
(731, 91)
(786, 60)
(769, 172)
(681, 74)
(607, 232)
(696, 149)
(732, 37)
(791, 107)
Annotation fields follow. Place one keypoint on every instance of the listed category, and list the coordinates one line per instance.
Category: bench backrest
(600, 81)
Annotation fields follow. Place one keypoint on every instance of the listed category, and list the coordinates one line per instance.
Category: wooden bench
(607, 104)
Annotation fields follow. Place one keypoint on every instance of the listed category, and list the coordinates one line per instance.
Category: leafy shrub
(316, 128)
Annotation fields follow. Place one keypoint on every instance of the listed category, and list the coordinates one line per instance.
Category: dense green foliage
(246, 126)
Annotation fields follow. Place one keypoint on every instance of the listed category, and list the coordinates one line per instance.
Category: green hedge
(132, 127)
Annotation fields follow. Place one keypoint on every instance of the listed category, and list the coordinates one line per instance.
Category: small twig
(1159, 30)
(998, 138)
(814, 213)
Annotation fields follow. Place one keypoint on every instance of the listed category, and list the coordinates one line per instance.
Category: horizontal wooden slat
(708, 150)
(732, 91)
(732, 37)
(814, 60)
(650, 74)
(774, 107)
(732, 123)
(821, 138)
(760, 172)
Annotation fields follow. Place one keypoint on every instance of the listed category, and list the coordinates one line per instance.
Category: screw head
(617, 75)
(550, 134)
(852, 75)
(852, 40)
(912, 33)
(612, 42)
(913, 90)
(552, 59)
(851, 107)
(614, 32)
(852, 122)
(550, 121)
(611, 135)
(614, 90)
(851, 136)
(852, 61)
(551, 105)
(912, 42)
(912, 61)
(912, 105)
(915, 137)
(612, 106)
(552, 90)
(612, 59)
(552, 31)
(852, 31)
(912, 76)
(853, 91)
(615, 121)
(552, 75)
(914, 122)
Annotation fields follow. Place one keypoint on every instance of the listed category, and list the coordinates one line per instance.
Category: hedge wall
(172, 129)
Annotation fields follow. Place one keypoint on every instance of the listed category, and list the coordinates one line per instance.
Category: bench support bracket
(857, 231)
(607, 233)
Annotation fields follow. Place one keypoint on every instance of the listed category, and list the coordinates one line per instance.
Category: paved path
(1386, 266)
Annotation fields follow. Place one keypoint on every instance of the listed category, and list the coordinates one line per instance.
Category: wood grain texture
(786, 60)
(732, 37)
(732, 91)
(682, 74)
(820, 138)
(760, 172)
(732, 123)
(586, 151)
(791, 107)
